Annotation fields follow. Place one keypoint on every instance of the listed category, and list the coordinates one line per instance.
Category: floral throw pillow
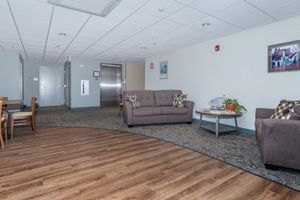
(178, 100)
(284, 109)
(295, 115)
(134, 100)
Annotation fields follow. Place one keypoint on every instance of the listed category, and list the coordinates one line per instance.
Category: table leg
(200, 122)
(236, 124)
(217, 126)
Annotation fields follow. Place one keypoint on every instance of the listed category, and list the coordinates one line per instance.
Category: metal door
(110, 84)
(50, 86)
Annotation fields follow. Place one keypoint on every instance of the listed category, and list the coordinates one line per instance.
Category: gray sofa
(278, 140)
(156, 108)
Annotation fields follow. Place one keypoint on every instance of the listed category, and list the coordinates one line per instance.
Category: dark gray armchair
(278, 140)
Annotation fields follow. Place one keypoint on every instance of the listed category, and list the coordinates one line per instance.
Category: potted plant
(233, 105)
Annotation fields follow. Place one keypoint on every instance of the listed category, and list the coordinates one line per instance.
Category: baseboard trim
(241, 130)
(85, 108)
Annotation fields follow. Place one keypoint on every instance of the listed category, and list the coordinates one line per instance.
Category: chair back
(0, 117)
(33, 106)
(0, 108)
(4, 106)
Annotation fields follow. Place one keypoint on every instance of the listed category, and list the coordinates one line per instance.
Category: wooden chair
(3, 124)
(24, 118)
(4, 107)
(121, 104)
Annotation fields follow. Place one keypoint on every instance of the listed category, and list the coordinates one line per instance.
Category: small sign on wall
(84, 88)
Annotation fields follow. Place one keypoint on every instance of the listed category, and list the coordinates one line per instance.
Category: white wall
(239, 70)
(10, 78)
(31, 87)
(135, 76)
(84, 73)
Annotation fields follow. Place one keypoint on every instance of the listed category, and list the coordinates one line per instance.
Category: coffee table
(218, 114)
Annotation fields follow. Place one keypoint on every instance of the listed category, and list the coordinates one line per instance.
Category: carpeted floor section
(240, 150)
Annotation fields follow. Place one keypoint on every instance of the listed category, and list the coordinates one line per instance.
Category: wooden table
(218, 114)
(13, 103)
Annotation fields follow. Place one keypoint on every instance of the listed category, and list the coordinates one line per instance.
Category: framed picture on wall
(163, 69)
(284, 57)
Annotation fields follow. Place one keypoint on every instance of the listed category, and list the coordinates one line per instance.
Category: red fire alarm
(217, 47)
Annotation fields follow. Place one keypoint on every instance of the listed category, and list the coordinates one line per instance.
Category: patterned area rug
(237, 149)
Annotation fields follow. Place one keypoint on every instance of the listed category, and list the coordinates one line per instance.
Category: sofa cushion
(168, 110)
(165, 97)
(146, 97)
(146, 111)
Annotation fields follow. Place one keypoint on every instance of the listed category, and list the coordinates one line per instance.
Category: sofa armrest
(280, 142)
(128, 113)
(190, 106)
(263, 113)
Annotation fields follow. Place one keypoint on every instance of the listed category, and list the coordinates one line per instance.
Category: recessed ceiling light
(62, 34)
(206, 24)
(154, 43)
(57, 45)
(161, 10)
(143, 47)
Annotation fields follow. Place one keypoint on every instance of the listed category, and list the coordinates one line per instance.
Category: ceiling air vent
(94, 7)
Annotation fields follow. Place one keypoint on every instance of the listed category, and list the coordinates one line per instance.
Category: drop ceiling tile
(31, 26)
(133, 41)
(285, 11)
(96, 49)
(119, 13)
(142, 19)
(244, 15)
(113, 37)
(270, 4)
(128, 29)
(8, 31)
(165, 26)
(95, 28)
(216, 26)
(149, 34)
(186, 16)
(33, 29)
(186, 2)
(182, 31)
(64, 21)
(167, 6)
(212, 6)
(132, 4)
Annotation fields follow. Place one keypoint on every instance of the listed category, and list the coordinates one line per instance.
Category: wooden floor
(83, 163)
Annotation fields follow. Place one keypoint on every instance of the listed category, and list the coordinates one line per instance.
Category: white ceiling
(32, 27)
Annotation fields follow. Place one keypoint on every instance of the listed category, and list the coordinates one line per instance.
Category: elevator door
(110, 84)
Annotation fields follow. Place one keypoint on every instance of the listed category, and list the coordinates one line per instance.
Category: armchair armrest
(128, 113)
(280, 142)
(263, 113)
(190, 106)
